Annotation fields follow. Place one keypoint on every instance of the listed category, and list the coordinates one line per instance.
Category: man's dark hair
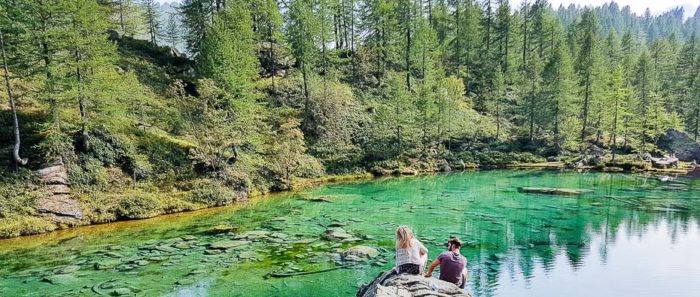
(455, 242)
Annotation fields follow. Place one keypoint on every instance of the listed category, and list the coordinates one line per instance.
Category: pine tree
(91, 54)
(586, 65)
(172, 32)
(196, 17)
(618, 93)
(228, 55)
(152, 18)
(304, 29)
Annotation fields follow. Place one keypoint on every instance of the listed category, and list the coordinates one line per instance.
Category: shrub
(138, 206)
(211, 193)
(19, 197)
(24, 225)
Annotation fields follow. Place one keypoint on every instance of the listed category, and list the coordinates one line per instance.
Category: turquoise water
(631, 236)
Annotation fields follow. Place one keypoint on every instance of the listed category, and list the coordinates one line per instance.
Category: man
(453, 266)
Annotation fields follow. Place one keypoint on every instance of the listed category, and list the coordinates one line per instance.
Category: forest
(151, 111)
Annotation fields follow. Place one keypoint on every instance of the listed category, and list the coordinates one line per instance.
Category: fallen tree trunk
(553, 191)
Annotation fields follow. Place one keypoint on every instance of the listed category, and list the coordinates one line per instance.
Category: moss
(24, 225)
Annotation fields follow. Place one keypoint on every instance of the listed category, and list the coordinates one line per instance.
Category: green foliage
(212, 193)
(227, 56)
(18, 193)
(24, 225)
(275, 94)
(138, 206)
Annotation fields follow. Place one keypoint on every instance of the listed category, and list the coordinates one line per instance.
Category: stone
(336, 234)
(279, 235)
(246, 255)
(389, 284)
(113, 35)
(166, 249)
(59, 279)
(60, 205)
(361, 253)
(67, 269)
(182, 245)
(58, 189)
(106, 264)
(188, 238)
(114, 255)
(212, 252)
(681, 144)
(228, 244)
(219, 229)
(253, 235)
(184, 282)
(121, 291)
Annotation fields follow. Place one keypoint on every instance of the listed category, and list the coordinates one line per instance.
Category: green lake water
(631, 236)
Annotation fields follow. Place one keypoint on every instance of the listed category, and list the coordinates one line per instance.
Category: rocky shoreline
(62, 212)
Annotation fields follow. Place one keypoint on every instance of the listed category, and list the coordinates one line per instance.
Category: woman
(411, 254)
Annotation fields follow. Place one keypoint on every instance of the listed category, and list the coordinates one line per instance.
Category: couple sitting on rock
(412, 257)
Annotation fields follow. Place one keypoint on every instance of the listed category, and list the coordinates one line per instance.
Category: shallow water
(631, 236)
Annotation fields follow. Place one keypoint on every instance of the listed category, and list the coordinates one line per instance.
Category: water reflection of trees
(531, 231)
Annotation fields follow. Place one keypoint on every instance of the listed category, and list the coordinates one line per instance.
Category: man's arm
(432, 267)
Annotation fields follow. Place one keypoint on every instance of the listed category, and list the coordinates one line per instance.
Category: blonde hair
(404, 237)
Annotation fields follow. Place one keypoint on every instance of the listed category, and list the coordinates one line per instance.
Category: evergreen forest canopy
(278, 90)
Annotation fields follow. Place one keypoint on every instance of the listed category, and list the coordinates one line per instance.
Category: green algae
(513, 241)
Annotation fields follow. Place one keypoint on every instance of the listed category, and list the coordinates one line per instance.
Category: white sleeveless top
(410, 255)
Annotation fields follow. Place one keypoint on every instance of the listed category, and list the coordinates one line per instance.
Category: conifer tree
(228, 55)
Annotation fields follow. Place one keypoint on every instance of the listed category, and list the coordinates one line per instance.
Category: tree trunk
(121, 16)
(614, 131)
(407, 19)
(15, 123)
(272, 58)
(524, 34)
(81, 100)
(585, 108)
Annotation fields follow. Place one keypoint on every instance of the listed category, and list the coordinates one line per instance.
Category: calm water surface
(631, 236)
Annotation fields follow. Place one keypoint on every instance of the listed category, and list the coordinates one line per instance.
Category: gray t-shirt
(451, 266)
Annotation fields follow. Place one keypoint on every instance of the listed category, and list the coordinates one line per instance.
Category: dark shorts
(410, 269)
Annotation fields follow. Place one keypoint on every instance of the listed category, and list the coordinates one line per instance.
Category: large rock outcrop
(681, 144)
(57, 205)
(388, 284)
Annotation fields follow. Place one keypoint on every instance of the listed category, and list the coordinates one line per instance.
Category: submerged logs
(553, 191)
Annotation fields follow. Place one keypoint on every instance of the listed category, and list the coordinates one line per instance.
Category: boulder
(227, 244)
(360, 253)
(390, 284)
(336, 234)
(681, 144)
(59, 279)
(113, 35)
(60, 205)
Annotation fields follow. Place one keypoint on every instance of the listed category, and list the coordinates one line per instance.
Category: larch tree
(228, 55)
(151, 15)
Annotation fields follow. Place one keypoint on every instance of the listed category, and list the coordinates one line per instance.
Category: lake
(633, 235)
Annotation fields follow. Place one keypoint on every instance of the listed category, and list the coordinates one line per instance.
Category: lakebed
(627, 235)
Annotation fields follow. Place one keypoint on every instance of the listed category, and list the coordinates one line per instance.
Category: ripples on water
(632, 236)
